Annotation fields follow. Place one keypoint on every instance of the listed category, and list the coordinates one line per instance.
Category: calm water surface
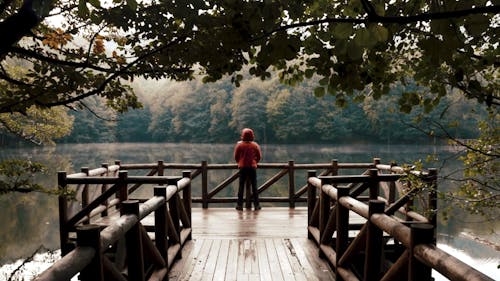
(30, 221)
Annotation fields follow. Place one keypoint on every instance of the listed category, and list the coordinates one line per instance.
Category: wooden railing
(395, 242)
(123, 250)
(211, 195)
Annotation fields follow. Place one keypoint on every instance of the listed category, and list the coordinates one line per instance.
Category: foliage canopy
(76, 49)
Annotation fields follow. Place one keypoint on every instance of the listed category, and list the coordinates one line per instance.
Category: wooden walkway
(270, 244)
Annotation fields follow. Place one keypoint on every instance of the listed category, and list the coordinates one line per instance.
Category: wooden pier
(270, 244)
(356, 221)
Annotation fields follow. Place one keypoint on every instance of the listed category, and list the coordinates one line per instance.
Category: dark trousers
(248, 174)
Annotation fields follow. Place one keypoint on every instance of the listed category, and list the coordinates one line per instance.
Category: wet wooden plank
(250, 259)
(263, 261)
(201, 260)
(232, 261)
(222, 261)
(270, 244)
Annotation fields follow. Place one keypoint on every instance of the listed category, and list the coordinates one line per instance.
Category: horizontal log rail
(135, 255)
(210, 195)
(386, 247)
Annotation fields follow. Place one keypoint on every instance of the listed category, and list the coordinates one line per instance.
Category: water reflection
(32, 220)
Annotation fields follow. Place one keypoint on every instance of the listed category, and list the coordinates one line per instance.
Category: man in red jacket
(247, 154)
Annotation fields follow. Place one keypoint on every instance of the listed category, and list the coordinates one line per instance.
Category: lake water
(30, 221)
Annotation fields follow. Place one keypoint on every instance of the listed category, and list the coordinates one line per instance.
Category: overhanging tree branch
(374, 18)
(113, 76)
(39, 56)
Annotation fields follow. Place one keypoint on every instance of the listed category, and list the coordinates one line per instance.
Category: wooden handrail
(419, 256)
(86, 259)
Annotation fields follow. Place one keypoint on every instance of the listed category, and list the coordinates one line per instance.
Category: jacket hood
(247, 135)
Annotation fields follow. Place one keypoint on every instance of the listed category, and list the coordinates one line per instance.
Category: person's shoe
(258, 207)
(239, 208)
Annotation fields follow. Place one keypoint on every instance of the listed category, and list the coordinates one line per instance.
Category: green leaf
(206, 79)
(380, 8)
(319, 92)
(355, 52)
(342, 30)
(477, 24)
(353, 9)
(324, 81)
(83, 10)
(132, 4)
(309, 73)
(363, 38)
(380, 33)
(95, 3)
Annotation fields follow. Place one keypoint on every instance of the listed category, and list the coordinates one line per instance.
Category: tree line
(216, 112)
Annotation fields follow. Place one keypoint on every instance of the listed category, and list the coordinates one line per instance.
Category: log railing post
(160, 169)
(63, 214)
(133, 242)
(85, 193)
(342, 238)
(204, 184)
(433, 208)
(85, 190)
(90, 236)
(392, 187)
(186, 198)
(104, 187)
(161, 224)
(420, 234)
(173, 207)
(291, 184)
(374, 190)
(335, 167)
(324, 207)
(374, 244)
(311, 199)
(123, 187)
(118, 163)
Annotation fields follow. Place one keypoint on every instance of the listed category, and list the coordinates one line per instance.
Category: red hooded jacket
(247, 152)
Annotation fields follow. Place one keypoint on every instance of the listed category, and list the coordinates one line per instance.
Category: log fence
(376, 224)
(211, 195)
(113, 248)
(395, 242)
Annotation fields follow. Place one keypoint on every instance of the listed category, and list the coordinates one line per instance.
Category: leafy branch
(373, 17)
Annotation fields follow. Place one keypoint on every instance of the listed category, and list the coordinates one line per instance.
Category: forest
(215, 112)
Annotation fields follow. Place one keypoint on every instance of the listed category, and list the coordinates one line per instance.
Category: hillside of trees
(216, 112)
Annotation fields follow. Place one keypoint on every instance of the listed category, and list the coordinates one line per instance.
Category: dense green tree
(161, 129)
(132, 126)
(37, 125)
(191, 114)
(288, 116)
(248, 110)
(220, 116)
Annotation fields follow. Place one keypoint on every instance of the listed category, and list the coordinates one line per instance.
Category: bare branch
(461, 143)
(95, 114)
(27, 260)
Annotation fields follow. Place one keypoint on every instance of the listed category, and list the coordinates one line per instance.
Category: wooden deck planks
(267, 245)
